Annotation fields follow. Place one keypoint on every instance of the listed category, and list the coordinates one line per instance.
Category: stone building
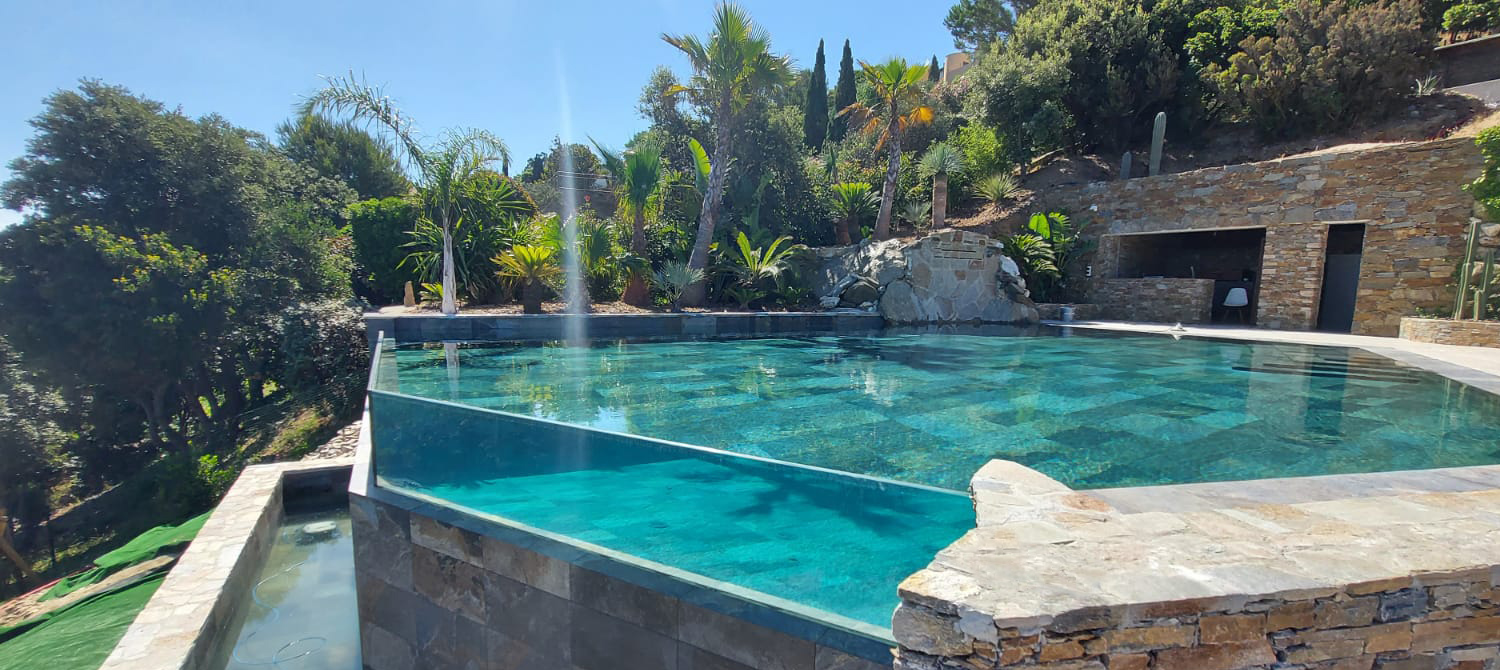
(1346, 239)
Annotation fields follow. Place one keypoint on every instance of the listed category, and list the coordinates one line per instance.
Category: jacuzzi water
(899, 423)
(301, 613)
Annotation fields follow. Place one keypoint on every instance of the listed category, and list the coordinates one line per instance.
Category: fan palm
(442, 169)
(535, 268)
(852, 201)
(730, 67)
(674, 277)
(940, 162)
(638, 173)
(899, 90)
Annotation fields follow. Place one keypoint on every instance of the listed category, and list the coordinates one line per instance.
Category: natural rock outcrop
(949, 276)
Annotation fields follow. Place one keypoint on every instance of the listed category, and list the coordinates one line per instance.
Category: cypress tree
(934, 72)
(844, 93)
(815, 112)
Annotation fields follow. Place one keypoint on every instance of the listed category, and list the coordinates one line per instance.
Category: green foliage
(899, 96)
(573, 167)
(853, 202)
(941, 159)
(534, 268)
(743, 295)
(844, 94)
(30, 438)
(997, 188)
(1486, 188)
(815, 112)
(982, 151)
(380, 229)
(1064, 247)
(1330, 66)
(674, 277)
(344, 152)
(1032, 254)
(976, 24)
(753, 266)
(1021, 95)
(918, 213)
(491, 214)
(1218, 32)
(1471, 17)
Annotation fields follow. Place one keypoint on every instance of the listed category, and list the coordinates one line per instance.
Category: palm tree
(941, 161)
(852, 201)
(674, 277)
(534, 268)
(899, 90)
(638, 175)
(730, 68)
(442, 169)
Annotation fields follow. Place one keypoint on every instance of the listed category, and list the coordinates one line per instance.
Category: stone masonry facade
(1154, 300)
(1448, 331)
(1408, 196)
(1054, 579)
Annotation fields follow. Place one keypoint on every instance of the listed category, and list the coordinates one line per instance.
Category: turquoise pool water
(593, 443)
(1090, 411)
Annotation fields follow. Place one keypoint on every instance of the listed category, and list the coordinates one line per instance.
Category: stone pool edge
(187, 619)
(418, 561)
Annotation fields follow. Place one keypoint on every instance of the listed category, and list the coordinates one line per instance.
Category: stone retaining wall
(1054, 579)
(1408, 195)
(1449, 331)
(1154, 300)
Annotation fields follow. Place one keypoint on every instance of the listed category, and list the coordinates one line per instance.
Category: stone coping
(1043, 553)
(1462, 332)
(183, 626)
(422, 327)
(845, 635)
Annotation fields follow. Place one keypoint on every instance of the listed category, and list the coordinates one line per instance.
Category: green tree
(442, 169)
(939, 163)
(638, 177)
(845, 93)
(730, 68)
(934, 71)
(815, 111)
(898, 89)
(29, 439)
(345, 152)
(381, 228)
(976, 24)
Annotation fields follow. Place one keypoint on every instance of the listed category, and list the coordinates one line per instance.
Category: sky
(526, 71)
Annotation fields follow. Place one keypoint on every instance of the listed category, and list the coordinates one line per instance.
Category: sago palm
(732, 66)
(637, 175)
(442, 169)
(899, 91)
(852, 201)
(535, 268)
(940, 162)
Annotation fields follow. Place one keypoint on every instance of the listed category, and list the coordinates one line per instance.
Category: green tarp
(81, 635)
(143, 548)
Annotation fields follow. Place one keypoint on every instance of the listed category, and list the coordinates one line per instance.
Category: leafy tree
(381, 228)
(344, 152)
(638, 176)
(733, 65)
(976, 24)
(442, 168)
(1218, 32)
(898, 105)
(30, 436)
(158, 285)
(815, 112)
(940, 162)
(1486, 188)
(844, 94)
(1329, 66)
(934, 71)
(575, 170)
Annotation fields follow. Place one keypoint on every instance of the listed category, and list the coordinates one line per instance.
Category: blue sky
(503, 66)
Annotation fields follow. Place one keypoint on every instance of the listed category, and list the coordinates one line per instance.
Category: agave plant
(852, 201)
(674, 277)
(940, 162)
(917, 213)
(535, 268)
(998, 188)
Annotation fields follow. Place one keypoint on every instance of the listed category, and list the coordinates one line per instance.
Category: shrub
(1471, 17)
(1020, 94)
(983, 153)
(380, 228)
(1329, 66)
(1486, 189)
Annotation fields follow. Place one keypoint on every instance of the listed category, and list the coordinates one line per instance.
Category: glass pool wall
(828, 544)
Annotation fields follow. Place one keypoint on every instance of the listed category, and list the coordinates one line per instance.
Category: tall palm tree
(637, 174)
(442, 168)
(899, 89)
(940, 162)
(852, 201)
(730, 68)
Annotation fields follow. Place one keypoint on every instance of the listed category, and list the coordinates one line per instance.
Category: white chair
(1236, 299)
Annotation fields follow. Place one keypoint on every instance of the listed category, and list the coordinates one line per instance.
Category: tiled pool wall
(1384, 571)
(439, 588)
(425, 328)
(186, 624)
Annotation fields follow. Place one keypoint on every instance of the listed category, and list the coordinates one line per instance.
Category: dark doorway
(1346, 242)
(1231, 257)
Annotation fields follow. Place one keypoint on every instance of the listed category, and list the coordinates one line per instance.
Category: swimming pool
(818, 472)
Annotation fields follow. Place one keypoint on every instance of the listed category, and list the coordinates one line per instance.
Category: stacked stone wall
(1409, 197)
(1448, 331)
(1155, 300)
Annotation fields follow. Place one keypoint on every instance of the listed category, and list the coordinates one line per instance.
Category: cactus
(1465, 270)
(1482, 292)
(1125, 166)
(1158, 135)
